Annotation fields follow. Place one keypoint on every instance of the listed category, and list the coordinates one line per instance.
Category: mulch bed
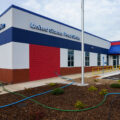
(28, 110)
(114, 77)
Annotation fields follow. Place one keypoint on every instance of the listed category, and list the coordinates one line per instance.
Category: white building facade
(34, 47)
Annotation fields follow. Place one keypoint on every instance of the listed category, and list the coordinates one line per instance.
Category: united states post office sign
(2, 26)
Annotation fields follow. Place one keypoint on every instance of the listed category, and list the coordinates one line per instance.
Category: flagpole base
(85, 84)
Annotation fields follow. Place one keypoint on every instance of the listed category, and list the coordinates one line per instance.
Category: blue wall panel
(25, 36)
(20, 35)
(6, 36)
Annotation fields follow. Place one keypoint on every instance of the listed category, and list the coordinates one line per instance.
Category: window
(115, 60)
(87, 57)
(70, 58)
(107, 60)
(99, 59)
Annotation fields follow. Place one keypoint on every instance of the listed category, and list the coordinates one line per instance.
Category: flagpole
(82, 42)
(82, 27)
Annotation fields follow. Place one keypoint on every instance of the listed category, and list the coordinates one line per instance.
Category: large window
(70, 58)
(99, 59)
(87, 58)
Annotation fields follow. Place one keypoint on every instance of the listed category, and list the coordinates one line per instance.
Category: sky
(102, 17)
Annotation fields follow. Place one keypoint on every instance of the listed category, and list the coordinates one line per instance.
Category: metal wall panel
(44, 62)
(20, 56)
(7, 19)
(6, 56)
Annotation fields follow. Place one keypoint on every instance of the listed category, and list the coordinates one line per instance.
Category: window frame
(87, 58)
(70, 58)
(99, 59)
(107, 60)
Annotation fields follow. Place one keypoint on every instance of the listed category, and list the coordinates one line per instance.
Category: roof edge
(33, 13)
(115, 41)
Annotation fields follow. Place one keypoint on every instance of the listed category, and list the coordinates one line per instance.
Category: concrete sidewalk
(32, 84)
(109, 74)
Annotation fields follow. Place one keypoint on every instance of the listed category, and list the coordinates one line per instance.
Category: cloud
(101, 16)
(65, 11)
(61, 10)
(33, 5)
(116, 36)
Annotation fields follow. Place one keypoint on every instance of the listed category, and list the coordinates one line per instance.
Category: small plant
(115, 85)
(103, 92)
(80, 105)
(118, 81)
(27, 90)
(95, 80)
(57, 91)
(92, 88)
(52, 84)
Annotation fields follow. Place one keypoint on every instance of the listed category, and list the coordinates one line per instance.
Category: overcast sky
(102, 17)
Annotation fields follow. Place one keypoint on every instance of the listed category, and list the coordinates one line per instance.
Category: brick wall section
(14, 75)
(74, 70)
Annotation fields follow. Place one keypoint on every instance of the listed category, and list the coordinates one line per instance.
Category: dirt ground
(29, 110)
(95, 80)
(114, 77)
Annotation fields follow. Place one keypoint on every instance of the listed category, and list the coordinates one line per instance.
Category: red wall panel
(115, 43)
(44, 62)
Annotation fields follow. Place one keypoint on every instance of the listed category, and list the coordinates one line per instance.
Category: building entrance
(115, 61)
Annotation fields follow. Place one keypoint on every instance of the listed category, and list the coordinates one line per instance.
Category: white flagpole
(82, 42)
(82, 26)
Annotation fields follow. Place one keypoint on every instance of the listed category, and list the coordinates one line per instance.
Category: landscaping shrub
(2, 84)
(52, 84)
(92, 88)
(115, 85)
(80, 105)
(27, 89)
(118, 81)
(57, 91)
(95, 80)
(103, 92)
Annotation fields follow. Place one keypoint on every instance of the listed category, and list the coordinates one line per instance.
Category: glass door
(115, 61)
